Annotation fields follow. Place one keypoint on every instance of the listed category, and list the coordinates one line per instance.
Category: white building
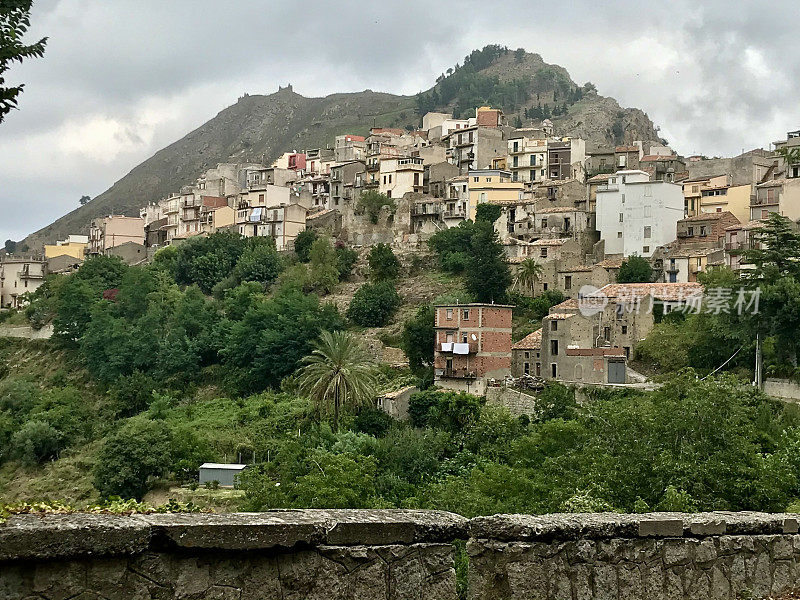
(636, 215)
(398, 176)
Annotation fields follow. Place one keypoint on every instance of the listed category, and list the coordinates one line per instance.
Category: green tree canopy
(635, 269)
(383, 264)
(14, 23)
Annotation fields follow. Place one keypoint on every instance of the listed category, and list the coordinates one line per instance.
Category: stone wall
(653, 556)
(291, 555)
(785, 389)
(398, 554)
(25, 332)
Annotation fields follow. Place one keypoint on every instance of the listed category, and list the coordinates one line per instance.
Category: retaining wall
(397, 554)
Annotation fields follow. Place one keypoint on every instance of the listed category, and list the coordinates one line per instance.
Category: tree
(371, 203)
(130, 456)
(346, 260)
(84, 200)
(208, 260)
(488, 276)
(635, 269)
(519, 54)
(10, 246)
(488, 213)
(383, 264)
(274, 335)
(373, 304)
(338, 374)
(528, 273)
(517, 122)
(36, 442)
(419, 337)
(302, 244)
(14, 23)
(323, 266)
(261, 264)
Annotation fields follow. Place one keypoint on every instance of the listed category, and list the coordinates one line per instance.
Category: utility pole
(759, 366)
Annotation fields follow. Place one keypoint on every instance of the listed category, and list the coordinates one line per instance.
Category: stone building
(636, 215)
(107, 232)
(475, 147)
(19, 276)
(342, 182)
(526, 356)
(473, 346)
(591, 338)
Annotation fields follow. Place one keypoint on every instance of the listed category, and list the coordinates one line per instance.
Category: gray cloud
(122, 79)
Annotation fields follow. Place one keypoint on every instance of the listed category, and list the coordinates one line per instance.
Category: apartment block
(473, 346)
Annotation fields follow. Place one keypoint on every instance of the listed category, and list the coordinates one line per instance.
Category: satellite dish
(474, 337)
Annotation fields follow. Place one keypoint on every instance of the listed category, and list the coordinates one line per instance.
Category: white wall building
(636, 215)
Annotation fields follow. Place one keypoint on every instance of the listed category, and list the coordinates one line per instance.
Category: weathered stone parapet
(291, 554)
(657, 555)
(398, 554)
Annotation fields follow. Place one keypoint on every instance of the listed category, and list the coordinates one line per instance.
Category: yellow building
(493, 186)
(73, 249)
(734, 199)
(693, 191)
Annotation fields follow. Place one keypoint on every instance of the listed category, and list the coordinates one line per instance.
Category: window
(690, 231)
(607, 334)
(624, 329)
(384, 180)
(466, 314)
(464, 339)
(533, 175)
(647, 212)
(449, 337)
(416, 178)
(554, 370)
(553, 325)
(476, 179)
(544, 287)
(695, 189)
(533, 160)
(488, 180)
(261, 197)
(449, 313)
(544, 253)
(567, 282)
(526, 367)
(483, 197)
(527, 354)
(390, 179)
(544, 223)
(619, 235)
(703, 231)
(554, 347)
(647, 231)
(645, 249)
(621, 217)
(516, 161)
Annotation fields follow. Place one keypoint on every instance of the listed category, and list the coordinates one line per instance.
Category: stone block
(661, 528)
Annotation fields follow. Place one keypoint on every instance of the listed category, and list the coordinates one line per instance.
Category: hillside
(261, 127)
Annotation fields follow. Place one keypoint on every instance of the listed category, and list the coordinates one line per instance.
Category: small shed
(226, 474)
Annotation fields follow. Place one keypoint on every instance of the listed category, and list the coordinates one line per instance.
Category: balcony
(419, 210)
(371, 184)
(454, 214)
(607, 188)
(373, 167)
(729, 246)
(472, 344)
(457, 373)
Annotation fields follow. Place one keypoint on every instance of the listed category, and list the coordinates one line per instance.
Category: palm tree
(338, 373)
(528, 274)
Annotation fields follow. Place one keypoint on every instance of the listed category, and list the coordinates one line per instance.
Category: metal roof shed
(226, 474)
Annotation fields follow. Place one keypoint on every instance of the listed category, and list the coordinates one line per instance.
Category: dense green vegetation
(147, 378)
(635, 269)
(465, 87)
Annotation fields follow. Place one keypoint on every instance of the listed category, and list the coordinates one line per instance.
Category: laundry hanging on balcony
(256, 214)
(447, 346)
(460, 348)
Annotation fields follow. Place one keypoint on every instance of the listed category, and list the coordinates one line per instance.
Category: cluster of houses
(576, 210)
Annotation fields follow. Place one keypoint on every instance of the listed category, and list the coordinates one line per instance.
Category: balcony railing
(607, 188)
(459, 374)
(430, 210)
(454, 214)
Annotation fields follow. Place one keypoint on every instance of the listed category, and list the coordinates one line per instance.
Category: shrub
(261, 263)
(346, 260)
(383, 264)
(130, 456)
(635, 269)
(131, 394)
(371, 203)
(373, 304)
(36, 442)
(302, 244)
(373, 421)
(323, 266)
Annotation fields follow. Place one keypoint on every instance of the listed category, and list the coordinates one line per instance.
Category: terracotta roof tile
(660, 291)
(553, 242)
(532, 341)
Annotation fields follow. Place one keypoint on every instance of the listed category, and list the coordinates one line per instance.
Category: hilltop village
(576, 212)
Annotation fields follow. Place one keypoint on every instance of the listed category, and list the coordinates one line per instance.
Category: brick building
(473, 345)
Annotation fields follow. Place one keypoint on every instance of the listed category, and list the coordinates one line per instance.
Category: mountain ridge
(260, 127)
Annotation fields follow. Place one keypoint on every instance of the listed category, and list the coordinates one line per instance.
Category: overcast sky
(121, 79)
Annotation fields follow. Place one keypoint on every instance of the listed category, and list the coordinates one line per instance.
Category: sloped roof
(659, 291)
(553, 242)
(532, 341)
(712, 216)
